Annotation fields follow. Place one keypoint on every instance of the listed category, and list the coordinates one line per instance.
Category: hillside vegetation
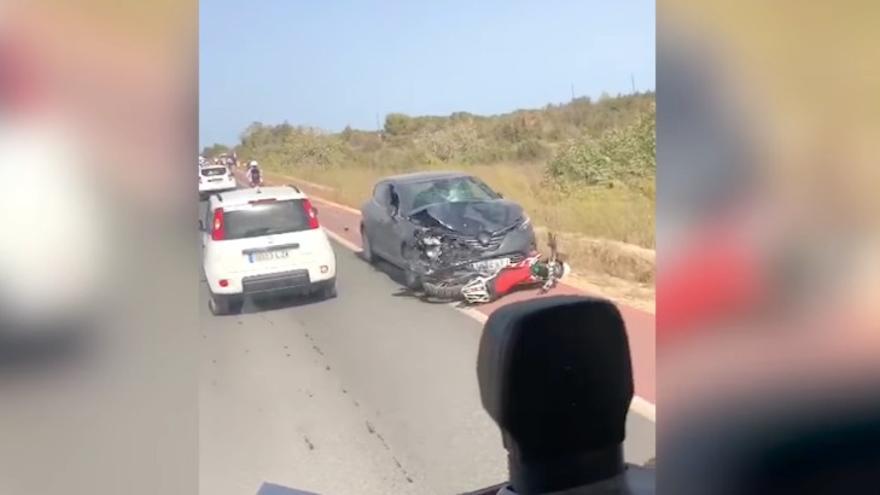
(585, 168)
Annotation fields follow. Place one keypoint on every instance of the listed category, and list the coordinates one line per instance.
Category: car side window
(382, 194)
(393, 199)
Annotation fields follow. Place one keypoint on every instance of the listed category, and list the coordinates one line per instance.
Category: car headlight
(433, 252)
(526, 223)
(430, 241)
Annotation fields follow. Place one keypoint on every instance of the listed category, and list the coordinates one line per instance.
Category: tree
(214, 150)
(397, 124)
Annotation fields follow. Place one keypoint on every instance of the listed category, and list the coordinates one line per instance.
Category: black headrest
(555, 374)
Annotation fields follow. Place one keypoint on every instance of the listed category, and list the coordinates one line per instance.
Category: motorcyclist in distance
(254, 174)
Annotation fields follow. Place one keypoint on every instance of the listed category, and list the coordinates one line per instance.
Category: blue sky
(334, 63)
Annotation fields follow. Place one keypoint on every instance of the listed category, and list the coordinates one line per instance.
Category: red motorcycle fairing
(509, 278)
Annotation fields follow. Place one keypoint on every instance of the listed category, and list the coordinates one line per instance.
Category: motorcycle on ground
(448, 272)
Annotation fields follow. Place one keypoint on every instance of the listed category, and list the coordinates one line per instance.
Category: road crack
(309, 443)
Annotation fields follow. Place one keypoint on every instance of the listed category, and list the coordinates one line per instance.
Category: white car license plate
(269, 255)
(490, 266)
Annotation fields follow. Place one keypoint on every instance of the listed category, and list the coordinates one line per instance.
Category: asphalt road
(371, 392)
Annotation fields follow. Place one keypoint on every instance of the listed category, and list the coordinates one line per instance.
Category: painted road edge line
(335, 205)
(640, 406)
(644, 408)
(341, 240)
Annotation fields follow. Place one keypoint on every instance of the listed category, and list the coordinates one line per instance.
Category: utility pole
(632, 79)
(377, 122)
(572, 91)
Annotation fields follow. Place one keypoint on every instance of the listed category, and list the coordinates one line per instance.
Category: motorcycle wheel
(449, 291)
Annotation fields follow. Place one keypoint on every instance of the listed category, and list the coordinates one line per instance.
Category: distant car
(496, 231)
(215, 178)
(262, 242)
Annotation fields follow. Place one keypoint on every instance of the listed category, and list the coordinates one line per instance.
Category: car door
(205, 226)
(393, 228)
(377, 219)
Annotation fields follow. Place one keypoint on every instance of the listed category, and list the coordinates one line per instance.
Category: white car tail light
(312, 214)
(217, 228)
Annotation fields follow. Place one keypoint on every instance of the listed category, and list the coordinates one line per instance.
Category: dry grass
(601, 256)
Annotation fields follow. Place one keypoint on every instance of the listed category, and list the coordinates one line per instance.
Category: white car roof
(241, 197)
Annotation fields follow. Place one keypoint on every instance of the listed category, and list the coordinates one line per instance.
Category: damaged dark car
(430, 224)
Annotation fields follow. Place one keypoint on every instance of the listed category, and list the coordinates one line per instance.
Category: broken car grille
(493, 243)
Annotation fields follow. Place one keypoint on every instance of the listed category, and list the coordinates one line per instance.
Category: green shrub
(397, 124)
(621, 155)
(532, 150)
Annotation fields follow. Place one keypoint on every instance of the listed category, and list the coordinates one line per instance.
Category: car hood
(470, 217)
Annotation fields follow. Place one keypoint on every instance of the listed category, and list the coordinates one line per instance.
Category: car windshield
(416, 195)
(212, 171)
(276, 217)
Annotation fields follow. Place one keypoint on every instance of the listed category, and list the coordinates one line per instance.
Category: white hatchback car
(215, 178)
(264, 241)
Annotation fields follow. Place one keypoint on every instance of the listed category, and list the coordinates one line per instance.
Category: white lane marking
(310, 184)
(473, 313)
(315, 198)
(644, 408)
(322, 200)
(341, 240)
(336, 205)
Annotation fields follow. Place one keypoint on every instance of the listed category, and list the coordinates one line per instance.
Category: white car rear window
(269, 218)
(212, 171)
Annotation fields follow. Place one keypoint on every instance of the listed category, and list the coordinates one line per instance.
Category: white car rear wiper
(255, 232)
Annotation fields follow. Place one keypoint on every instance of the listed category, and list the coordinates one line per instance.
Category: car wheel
(220, 306)
(366, 247)
(217, 306)
(411, 279)
(328, 292)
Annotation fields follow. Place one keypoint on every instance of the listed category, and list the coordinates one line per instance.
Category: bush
(397, 124)
(214, 150)
(626, 156)
(532, 150)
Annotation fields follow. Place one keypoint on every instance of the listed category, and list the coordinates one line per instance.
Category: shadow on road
(396, 275)
(391, 271)
(273, 489)
(258, 305)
